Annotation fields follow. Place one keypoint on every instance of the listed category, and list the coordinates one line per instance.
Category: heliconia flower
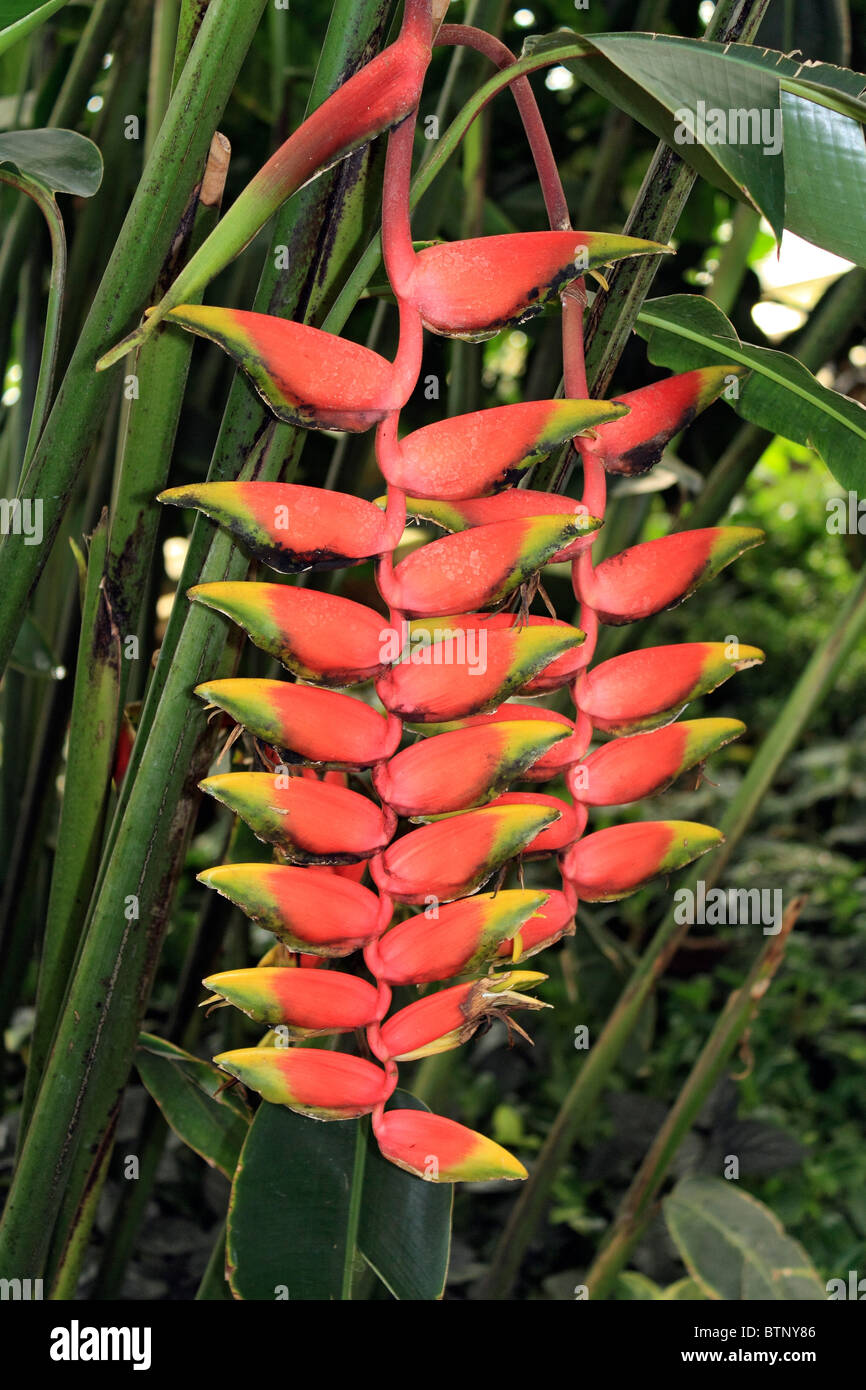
(315, 725)
(511, 505)
(657, 412)
(613, 863)
(545, 927)
(471, 455)
(659, 574)
(469, 666)
(291, 527)
(571, 820)
(449, 1018)
(455, 771)
(307, 377)
(627, 769)
(560, 756)
(461, 937)
(454, 857)
(321, 1084)
(475, 569)
(320, 637)
(312, 910)
(645, 689)
(440, 1150)
(311, 822)
(374, 99)
(473, 289)
(306, 1005)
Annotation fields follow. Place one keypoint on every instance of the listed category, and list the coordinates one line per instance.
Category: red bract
(471, 455)
(314, 725)
(659, 574)
(656, 413)
(473, 289)
(292, 527)
(477, 568)
(645, 689)
(320, 637)
(456, 856)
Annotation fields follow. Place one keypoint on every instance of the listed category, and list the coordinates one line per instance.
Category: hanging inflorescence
(459, 643)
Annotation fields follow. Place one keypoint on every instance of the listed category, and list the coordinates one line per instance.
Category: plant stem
(638, 1204)
(47, 204)
(353, 1218)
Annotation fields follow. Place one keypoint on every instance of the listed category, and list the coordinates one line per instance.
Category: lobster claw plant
(455, 781)
(432, 770)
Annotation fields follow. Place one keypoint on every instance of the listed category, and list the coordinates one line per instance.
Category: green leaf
(781, 395)
(812, 115)
(683, 1291)
(405, 1230)
(734, 1247)
(290, 1208)
(212, 1122)
(60, 160)
(285, 1236)
(32, 655)
(18, 18)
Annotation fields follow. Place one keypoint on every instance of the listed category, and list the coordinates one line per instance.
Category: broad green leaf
(781, 395)
(405, 1230)
(210, 1121)
(61, 160)
(790, 138)
(18, 18)
(734, 1247)
(286, 1229)
(289, 1211)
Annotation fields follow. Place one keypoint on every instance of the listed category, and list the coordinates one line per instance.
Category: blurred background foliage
(795, 1114)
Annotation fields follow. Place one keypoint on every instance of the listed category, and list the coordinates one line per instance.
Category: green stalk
(92, 739)
(162, 64)
(639, 1204)
(66, 112)
(47, 204)
(144, 242)
(353, 1219)
(214, 1286)
(146, 444)
(733, 258)
(807, 694)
